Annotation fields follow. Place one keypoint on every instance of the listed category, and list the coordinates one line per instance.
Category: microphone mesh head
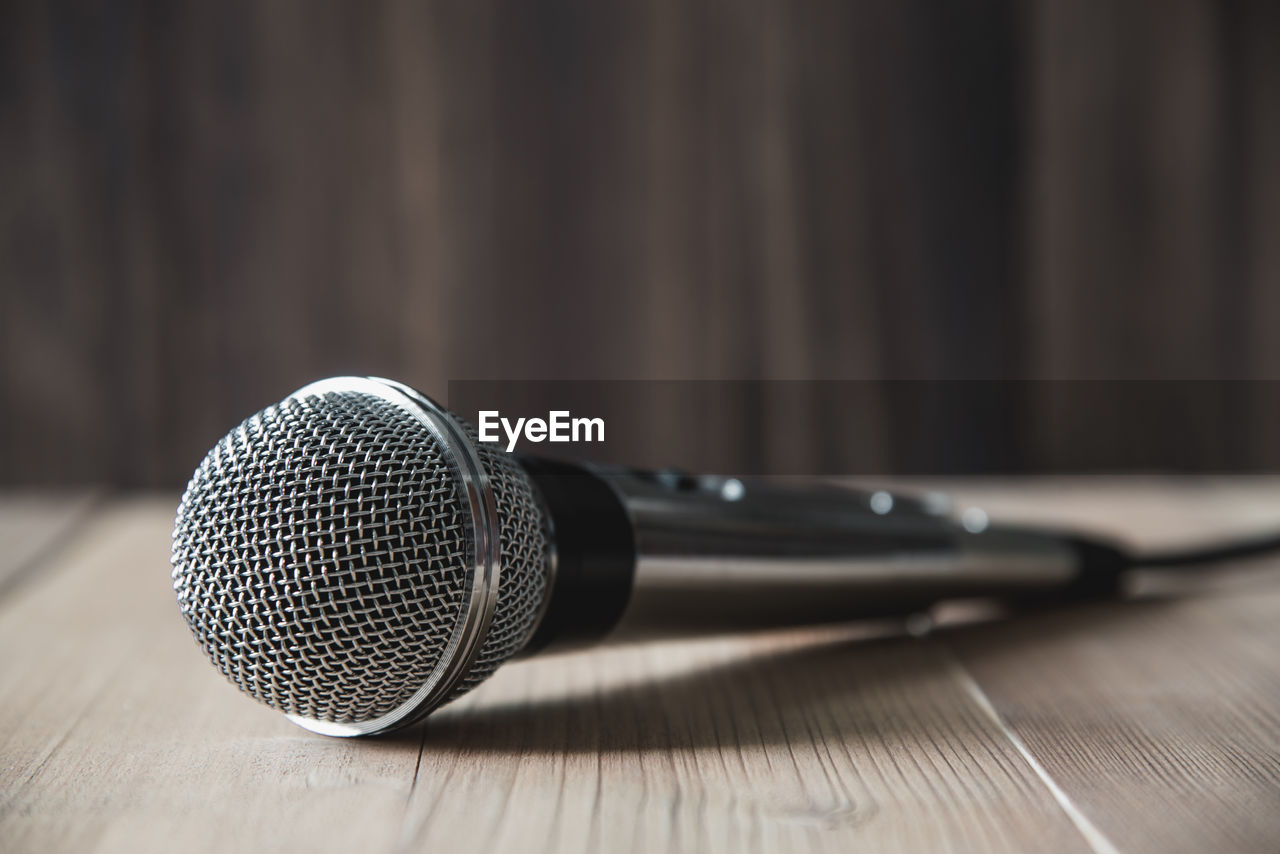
(324, 555)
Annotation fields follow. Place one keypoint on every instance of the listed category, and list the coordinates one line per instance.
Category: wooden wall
(205, 205)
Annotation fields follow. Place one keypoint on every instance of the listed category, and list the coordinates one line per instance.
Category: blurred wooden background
(206, 205)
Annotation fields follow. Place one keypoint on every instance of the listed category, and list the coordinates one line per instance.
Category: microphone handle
(657, 554)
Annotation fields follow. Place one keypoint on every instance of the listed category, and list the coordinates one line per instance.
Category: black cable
(1231, 550)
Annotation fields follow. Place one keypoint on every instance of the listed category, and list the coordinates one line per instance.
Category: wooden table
(1139, 726)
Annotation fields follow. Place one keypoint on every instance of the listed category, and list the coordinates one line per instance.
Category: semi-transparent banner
(886, 427)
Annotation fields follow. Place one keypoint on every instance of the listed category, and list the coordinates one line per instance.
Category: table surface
(1145, 725)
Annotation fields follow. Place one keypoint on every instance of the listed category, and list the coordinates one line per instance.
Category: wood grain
(798, 742)
(1159, 719)
(33, 524)
(1133, 726)
(118, 736)
(208, 205)
(1166, 740)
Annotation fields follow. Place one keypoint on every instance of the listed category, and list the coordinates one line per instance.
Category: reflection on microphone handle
(714, 553)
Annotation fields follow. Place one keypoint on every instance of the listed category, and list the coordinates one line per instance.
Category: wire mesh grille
(321, 556)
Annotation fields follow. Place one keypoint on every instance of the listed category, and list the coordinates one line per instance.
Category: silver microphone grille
(353, 557)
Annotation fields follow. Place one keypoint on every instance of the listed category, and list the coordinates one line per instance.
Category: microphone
(355, 557)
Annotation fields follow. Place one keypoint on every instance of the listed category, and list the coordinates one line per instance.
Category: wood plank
(1155, 722)
(1157, 719)
(117, 735)
(815, 740)
(32, 526)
